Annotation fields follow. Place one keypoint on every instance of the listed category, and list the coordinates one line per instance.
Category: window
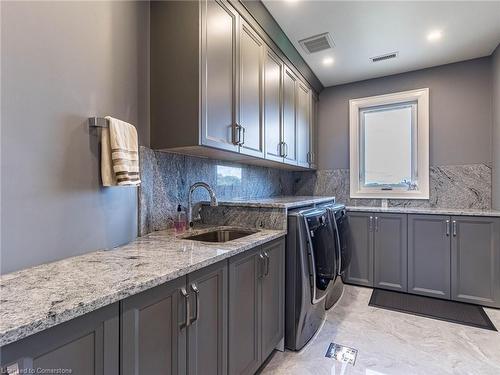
(389, 146)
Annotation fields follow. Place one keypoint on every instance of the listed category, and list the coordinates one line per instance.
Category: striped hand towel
(119, 154)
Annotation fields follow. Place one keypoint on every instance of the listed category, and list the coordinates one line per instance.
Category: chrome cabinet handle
(267, 263)
(454, 228)
(370, 225)
(286, 149)
(282, 149)
(185, 294)
(376, 223)
(262, 258)
(242, 138)
(196, 291)
(447, 228)
(236, 134)
(238, 139)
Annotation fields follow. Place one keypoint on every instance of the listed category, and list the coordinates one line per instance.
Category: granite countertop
(276, 202)
(41, 297)
(431, 211)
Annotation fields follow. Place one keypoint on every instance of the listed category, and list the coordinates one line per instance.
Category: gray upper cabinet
(475, 260)
(273, 78)
(390, 251)
(153, 330)
(313, 156)
(256, 309)
(219, 23)
(303, 124)
(360, 243)
(251, 91)
(207, 331)
(429, 255)
(290, 83)
(209, 92)
(87, 345)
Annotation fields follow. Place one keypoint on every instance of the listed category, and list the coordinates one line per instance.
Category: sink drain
(342, 353)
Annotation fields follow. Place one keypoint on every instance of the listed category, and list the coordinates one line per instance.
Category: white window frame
(420, 148)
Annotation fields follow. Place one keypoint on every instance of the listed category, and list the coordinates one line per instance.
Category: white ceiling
(364, 29)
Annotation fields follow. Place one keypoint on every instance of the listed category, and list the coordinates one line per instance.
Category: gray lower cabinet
(360, 243)
(429, 251)
(390, 251)
(244, 317)
(455, 257)
(153, 331)
(256, 278)
(475, 260)
(378, 246)
(207, 332)
(178, 327)
(273, 297)
(87, 345)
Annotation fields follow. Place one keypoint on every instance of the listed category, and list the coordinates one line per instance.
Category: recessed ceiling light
(291, 1)
(327, 61)
(434, 35)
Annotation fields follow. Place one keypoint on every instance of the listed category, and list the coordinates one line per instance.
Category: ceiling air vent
(387, 56)
(317, 43)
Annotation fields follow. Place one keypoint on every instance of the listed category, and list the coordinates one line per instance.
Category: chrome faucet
(213, 199)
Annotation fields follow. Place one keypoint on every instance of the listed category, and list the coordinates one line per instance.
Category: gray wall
(460, 112)
(496, 129)
(61, 63)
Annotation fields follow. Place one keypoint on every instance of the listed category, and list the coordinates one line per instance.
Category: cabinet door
(360, 244)
(251, 90)
(273, 297)
(475, 260)
(153, 333)
(290, 116)
(244, 318)
(313, 157)
(273, 73)
(390, 251)
(86, 345)
(219, 25)
(303, 124)
(207, 333)
(429, 255)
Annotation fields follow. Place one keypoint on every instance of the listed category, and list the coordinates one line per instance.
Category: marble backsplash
(166, 178)
(451, 186)
(249, 217)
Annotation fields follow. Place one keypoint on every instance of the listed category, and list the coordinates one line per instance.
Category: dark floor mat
(450, 311)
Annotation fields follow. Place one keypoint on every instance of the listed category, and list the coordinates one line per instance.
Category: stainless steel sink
(223, 235)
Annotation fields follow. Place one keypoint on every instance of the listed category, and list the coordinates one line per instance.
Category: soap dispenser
(180, 220)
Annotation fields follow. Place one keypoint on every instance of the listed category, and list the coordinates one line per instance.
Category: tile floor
(393, 343)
